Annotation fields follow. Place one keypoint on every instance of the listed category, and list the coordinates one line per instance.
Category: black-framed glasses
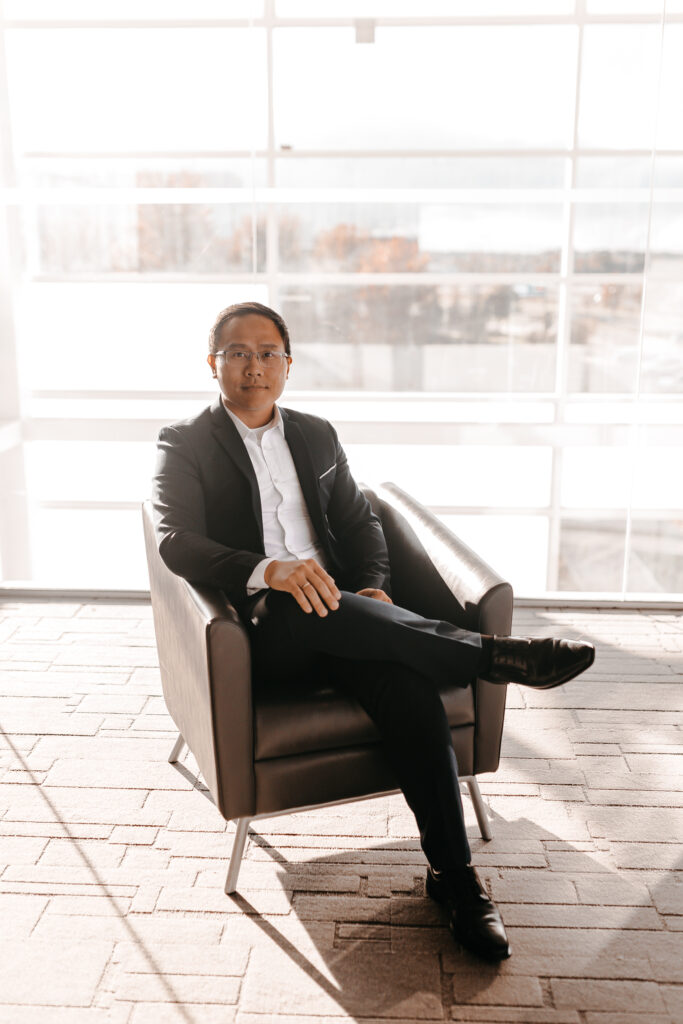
(269, 359)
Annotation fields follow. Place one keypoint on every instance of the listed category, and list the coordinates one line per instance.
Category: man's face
(249, 387)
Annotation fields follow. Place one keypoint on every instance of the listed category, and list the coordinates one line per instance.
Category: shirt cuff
(257, 579)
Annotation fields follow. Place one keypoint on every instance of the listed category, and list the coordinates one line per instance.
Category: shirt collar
(256, 432)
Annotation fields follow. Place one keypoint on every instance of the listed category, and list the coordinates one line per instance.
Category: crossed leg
(362, 629)
(398, 657)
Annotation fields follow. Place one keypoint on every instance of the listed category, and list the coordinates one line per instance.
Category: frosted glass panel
(420, 172)
(396, 237)
(670, 124)
(515, 546)
(662, 369)
(123, 336)
(422, 337)
(146, 9)
(451, 98)
(89, 548)
(415, 8)
(141, 172)
(618, 86)
(192, 99)
(441, 474)
(610, 237)
(89, 470)
(610, 478)
(604, 338)
(592, 554)
(154, 238)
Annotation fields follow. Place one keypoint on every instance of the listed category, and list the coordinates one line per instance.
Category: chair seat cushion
(318, 716)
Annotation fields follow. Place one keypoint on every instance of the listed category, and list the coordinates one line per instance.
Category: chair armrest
(434, 570)
(205, 665)
(435, 573)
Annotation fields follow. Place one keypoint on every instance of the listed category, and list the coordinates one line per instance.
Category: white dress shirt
(288, 532)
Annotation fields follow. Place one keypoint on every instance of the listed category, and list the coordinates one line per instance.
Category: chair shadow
(383, 962)
(581, 929)
(400, 960)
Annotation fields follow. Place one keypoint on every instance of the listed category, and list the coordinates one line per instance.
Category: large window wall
(470, 214)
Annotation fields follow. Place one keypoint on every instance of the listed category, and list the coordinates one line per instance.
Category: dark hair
(244, 309)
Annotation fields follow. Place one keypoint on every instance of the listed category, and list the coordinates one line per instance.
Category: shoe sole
(484, 954)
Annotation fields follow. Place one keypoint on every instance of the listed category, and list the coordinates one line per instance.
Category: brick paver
(112, 863)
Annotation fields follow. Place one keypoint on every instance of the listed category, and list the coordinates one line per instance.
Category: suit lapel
(305, 470)
(225, 432)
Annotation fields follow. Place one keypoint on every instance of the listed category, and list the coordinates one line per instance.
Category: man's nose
(254, 367)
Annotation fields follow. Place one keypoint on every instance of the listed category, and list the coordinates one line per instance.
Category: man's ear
(211, 360)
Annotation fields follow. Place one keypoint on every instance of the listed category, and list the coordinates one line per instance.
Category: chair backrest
(433, 572)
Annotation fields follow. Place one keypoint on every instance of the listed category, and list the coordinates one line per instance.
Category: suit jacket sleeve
(180, 518)
(357, 530)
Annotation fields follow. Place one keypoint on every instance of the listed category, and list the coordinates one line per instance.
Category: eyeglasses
(269, 360)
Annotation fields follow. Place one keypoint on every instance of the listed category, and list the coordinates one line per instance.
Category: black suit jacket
(208, 508)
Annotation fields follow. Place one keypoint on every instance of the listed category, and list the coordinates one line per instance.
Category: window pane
(116, 470)
(125, 337)
(613, 172)
(605, 330)
(425, 87)
(459, 475)
(633, 6)
(67, 545)
(666, 240)
(516, 546)
(610, 237)
(147, 239)
(592, 554)
(146, 9)
(420, 172)
(416, 8)
(194, 99)
(662, 369)
(387, 237)
(605, 477)
(420, 337)
(655, 556)
(669, 127)
(618, 86)
(159, 172)
(668, 171)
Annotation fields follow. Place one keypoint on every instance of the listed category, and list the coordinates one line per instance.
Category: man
(258, 500)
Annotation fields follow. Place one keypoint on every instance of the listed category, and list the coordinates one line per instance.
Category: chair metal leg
(236, 855)
(177, 749)
(479, 808)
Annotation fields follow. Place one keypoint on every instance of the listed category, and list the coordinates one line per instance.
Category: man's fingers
(312, 599)
(300, 598)
(317, 584)
(307, 582)
(375, 594)
(329, 582)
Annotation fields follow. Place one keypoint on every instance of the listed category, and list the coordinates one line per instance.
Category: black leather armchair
(274, 752)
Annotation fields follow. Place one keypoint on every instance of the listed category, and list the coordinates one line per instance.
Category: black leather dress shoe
(541, 663)
(475, 919)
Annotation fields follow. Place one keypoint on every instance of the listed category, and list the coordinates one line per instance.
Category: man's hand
(378, 595)
(307, 582)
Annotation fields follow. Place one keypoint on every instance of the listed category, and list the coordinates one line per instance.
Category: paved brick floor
(112, 864)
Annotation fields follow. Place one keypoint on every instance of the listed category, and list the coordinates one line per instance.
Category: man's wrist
(257, 579)
(268, 571)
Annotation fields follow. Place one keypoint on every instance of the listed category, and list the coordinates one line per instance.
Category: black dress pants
(398, 660)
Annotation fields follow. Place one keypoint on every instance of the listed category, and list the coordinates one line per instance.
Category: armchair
(271, 752)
